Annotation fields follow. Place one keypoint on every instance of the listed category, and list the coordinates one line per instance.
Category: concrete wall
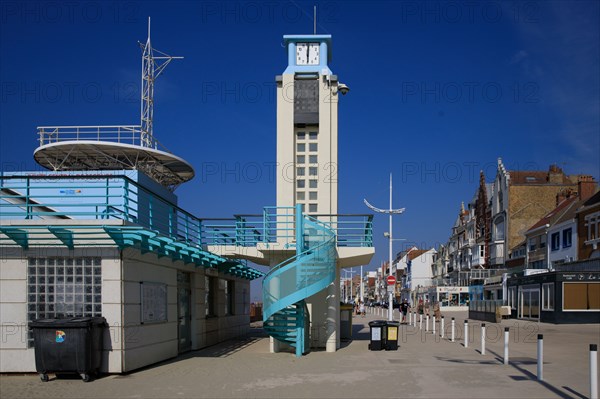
(146, 344)
(327, 192)
(128, 344)
(15, 356)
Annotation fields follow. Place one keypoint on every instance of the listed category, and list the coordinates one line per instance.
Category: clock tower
(307, 127)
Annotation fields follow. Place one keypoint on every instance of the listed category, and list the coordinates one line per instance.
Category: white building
(417, 265)
(101, 234)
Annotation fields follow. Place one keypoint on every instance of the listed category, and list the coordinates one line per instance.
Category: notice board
(153, 301)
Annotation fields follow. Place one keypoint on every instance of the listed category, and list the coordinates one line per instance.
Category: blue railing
(95, 197)
(119, 197)
(288, 284)
(277, 225)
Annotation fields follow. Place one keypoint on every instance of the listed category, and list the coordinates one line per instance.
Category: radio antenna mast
(152, 67)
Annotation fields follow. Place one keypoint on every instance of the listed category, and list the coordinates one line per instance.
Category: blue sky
(439, 91)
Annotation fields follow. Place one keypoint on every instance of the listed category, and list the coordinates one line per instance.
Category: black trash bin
(70, 345)
(377, 334)
(392, 331)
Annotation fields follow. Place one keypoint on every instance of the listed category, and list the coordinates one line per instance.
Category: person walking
(404, 309)
(362, 309)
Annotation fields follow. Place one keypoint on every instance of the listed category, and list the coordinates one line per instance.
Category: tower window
(300, 147)
(300, 183)
(312, 159)
(313, 171)
(312, 208)
(312, 183)
(300, 159)
(301, 135)
(313, 147)
(312, 196)
(300, 196)
(312, 136)
(299, 171)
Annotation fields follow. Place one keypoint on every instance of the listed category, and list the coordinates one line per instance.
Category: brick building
(588, 228)
(520, 199)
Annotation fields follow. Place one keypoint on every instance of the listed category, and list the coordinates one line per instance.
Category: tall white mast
(152, 67)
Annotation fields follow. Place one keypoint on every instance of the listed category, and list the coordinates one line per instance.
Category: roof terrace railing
(277, 225)
(94, 197)
(103, 196)
(126, 134)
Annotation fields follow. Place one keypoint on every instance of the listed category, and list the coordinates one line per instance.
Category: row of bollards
(412, 320)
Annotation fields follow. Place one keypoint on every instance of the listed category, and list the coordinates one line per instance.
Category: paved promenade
(423, 367)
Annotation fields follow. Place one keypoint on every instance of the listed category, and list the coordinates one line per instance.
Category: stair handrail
(282, 266)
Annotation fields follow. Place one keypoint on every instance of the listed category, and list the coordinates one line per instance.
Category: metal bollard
(409, 318)
(420, 321)
(506, 345)
(442, 328)
(452, 331)
(540, 359)
(466, 333)
(427, 323)
(483, 338)
(593, 371)
(433, 325)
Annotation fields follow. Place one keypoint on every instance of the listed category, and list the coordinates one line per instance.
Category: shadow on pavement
(517, 363)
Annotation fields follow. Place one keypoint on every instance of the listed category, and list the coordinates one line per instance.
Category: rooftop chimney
(586, 186)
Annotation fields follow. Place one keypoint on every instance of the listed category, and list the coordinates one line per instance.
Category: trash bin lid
(68, 322)
(377, 323)
(393, 323)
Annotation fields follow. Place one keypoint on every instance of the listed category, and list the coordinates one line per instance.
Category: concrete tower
(307, 127)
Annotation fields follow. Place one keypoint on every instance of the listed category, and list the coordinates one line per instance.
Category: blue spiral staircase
(288, 284)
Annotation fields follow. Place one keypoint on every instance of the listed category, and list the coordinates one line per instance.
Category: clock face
(313, 53)
(301, 53)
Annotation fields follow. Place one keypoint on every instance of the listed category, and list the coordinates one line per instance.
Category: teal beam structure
(20, 237)
(64, 235)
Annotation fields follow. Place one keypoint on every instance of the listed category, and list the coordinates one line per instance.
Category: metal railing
(109, 196)
(277, 225)
(95, 197)
(127, 134)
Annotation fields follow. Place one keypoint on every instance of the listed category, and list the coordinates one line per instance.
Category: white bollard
(442, 328)
(427, 323)
(593, 371)
(483, 338)
(420, 321)
(414, 319)
(433, 325)
(466, 333)
(452, 332)
(540, 357)
(409, 318)
(506, 345)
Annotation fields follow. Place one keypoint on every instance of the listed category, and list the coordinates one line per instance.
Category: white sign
(375, 333)
(154, 302)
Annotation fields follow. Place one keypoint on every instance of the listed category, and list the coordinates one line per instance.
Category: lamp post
(349, 283)
(390, 212)
(362, 288)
